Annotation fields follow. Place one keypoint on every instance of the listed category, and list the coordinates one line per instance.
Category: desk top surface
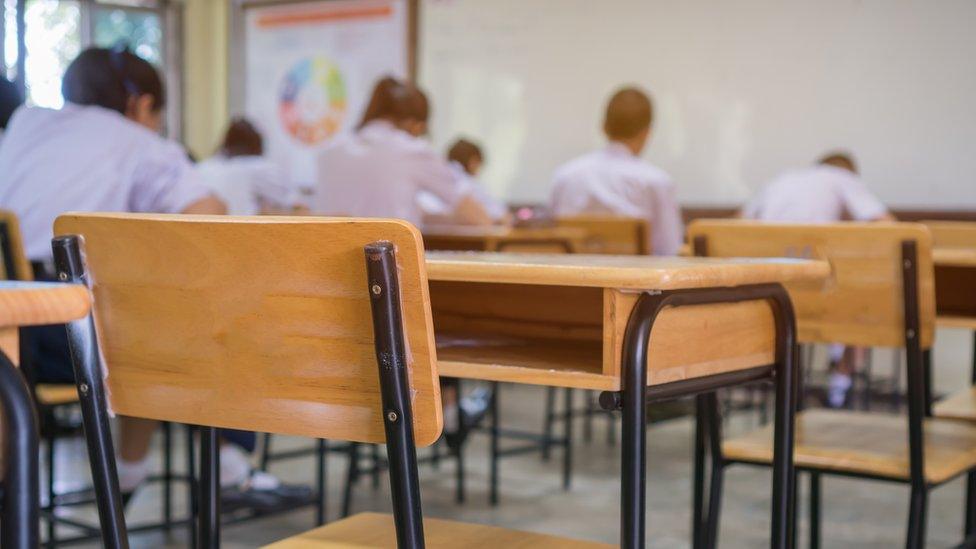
(35, 303)
(954, 257)
(623, 272)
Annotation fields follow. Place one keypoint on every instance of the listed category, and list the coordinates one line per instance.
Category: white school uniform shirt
(379, 171)
(818, 194)
(467, 186)
(613, 181)
(244, 183)
(87, 158)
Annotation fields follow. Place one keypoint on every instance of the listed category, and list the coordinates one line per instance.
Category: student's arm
(434, 174)
(208, 205)
(861, 204)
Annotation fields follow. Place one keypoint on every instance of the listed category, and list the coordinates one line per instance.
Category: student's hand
(209, 205)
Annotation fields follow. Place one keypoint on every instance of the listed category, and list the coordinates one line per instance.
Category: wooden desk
(955, 286)
(25, 304)
(637, 327)
(503, 238)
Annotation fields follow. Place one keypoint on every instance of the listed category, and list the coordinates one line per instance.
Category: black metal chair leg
(193, 488)
(494, 428)
(459, 472)
(698, 522)
(787, 388)
(717, 466)
(321, 455)
(352, 475)
(917, 512)
(588, 417)
(815, 528)
(167, 476)
(547, 422)
(20, 507)
(568, 441)
(970, 523)
(52, 523)
(266, 452)
(209, 530)
(611, 430)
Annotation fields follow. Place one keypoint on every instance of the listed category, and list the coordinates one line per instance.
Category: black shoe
(236, 499)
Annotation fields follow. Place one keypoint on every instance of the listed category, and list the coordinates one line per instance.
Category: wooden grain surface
(376, 530)
(858, 442)
(259, 323)
(620, 272)
(15, 242)
(610, 235)
(37, 303)
(861, 302)
(498, 238)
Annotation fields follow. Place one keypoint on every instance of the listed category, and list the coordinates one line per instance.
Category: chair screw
(377, 289)
(63, 276)
(391, 416)
(84, 388)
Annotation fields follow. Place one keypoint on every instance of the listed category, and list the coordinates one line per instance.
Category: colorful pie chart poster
(310, 67)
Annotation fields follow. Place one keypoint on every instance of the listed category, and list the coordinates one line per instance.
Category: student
(101, 152)
(827, 192)
(615, 181)
(466, 160)
(246, 181)
(380, 169)
(10, 99)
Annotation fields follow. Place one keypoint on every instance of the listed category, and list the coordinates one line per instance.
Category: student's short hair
(242, 139)
(396, 101)
(109, 77)
(629, 112)
(10, 99)
(463, 152)
(839, 159)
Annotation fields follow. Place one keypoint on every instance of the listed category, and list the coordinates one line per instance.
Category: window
(55, 31)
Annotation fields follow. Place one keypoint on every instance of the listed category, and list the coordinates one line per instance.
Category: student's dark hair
(396, 101)
(463, 152)
(242, 139)
(629, 112)
(10, 99)
(839, 159)
(109, 77)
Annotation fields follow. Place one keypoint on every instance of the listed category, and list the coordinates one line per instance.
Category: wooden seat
(54, 394)
(960, 405)
(868, 444)
(610, 235)
(376, 530)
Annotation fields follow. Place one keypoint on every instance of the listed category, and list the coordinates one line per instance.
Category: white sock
(235, 466)
(131, 473)
(837, 387)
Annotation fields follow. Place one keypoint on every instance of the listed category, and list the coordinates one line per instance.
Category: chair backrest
(254, 323)
(13, 260)
(862, 302)
(952, 234)
(611, 235)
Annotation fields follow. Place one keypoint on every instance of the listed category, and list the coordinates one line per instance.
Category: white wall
(743, 89)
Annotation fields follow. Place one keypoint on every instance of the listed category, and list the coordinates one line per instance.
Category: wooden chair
(610, 235)
(315, 327)
(881, 293)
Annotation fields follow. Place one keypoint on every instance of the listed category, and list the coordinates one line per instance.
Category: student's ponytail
(396, 102)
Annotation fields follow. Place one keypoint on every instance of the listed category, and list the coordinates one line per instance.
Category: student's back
(822, 193)
(87, 158)
(615, 181)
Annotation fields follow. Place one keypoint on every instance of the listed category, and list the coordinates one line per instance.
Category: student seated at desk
(245, 180)
(827, 192)
(380, 169)
(102, 152)
(466, 160)
(616, 181)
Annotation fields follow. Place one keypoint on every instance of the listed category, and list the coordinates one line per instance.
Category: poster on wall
(310, 67)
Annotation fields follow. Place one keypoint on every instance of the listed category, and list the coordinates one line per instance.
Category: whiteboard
(310, 68)
(742, 90)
